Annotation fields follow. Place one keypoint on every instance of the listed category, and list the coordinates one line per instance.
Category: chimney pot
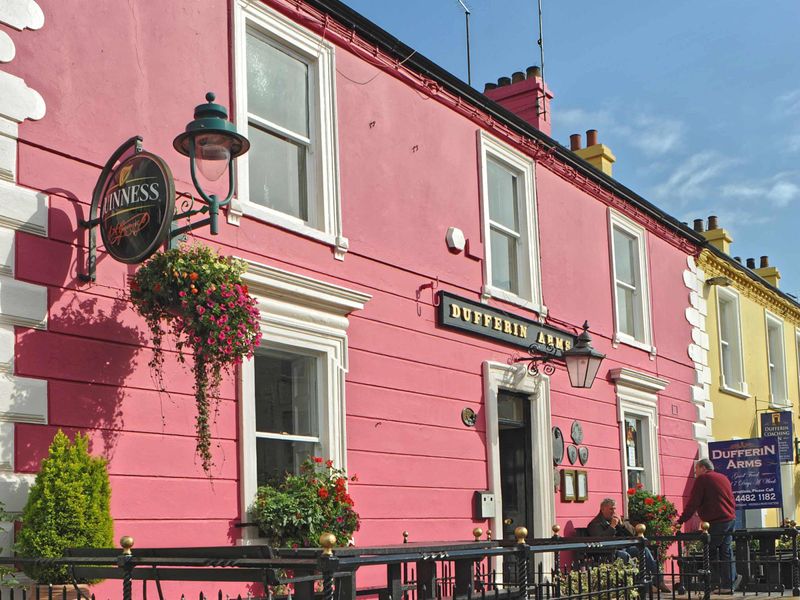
(503, 81)
(764, 262)
(713, 222)
(738, 259)
(489, 86)
(575, 141)
(591, 137)
(517, 76)
(751, 263)
(698, 225)
(533, 71)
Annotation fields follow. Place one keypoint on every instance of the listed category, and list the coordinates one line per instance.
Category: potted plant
(296, 511)
(198, 296)
(655, 512)
(68, 507)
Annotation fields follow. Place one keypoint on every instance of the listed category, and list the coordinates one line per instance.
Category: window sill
(500, 294)
(340, 244)
(734, 392)
(780, 404)
(621, 338)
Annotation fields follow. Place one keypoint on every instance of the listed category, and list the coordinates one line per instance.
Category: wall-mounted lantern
(582, 361)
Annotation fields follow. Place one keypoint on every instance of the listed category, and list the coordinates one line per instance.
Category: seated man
(608, 524)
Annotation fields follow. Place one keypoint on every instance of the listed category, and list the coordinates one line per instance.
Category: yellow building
(753, 348)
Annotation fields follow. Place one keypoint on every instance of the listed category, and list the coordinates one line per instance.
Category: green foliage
(6, 573)
(68, 507)
(655, 512)
(198, 296)
(606, 581)
(297, 511)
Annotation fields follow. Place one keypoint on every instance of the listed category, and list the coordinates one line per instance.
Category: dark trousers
(723, 566)
(645, 555)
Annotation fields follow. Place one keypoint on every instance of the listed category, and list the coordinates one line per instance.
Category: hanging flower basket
(198, 296)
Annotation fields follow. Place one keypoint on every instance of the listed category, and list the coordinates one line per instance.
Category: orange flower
(194, 276)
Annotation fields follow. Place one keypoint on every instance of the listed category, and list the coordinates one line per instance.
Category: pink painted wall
(404, 181)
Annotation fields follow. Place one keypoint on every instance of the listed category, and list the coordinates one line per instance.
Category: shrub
(655, 512)
(198, 296)
(68, 507)
(297, 511)
(6, 573)
(605, 581)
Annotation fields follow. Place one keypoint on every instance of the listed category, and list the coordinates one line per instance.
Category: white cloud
(782, 193)
(655, 136)
(692, 179)
(778, 190)
(793, 143)
(789, 103)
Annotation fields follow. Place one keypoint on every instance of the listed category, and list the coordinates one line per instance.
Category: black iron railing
(537, 569)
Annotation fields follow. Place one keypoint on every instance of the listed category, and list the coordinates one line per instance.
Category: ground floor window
(636, 431)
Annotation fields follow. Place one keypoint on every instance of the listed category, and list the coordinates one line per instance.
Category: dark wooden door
(515, 462)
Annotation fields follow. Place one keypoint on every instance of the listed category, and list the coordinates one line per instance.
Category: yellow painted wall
(734, 415)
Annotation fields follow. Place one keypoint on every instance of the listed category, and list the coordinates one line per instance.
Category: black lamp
(211, 142)
(582, 361)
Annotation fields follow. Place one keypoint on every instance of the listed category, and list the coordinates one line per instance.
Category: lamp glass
(582, 369)
(212, 154)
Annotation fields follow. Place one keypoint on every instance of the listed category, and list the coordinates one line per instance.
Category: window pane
(278, 457)
(510, 408)
(502, 186)
(633, 442)
(777, 373)
(277, 173)
(629, 312)
(635, 478)
(277, 86)
(504, 262)
(626, 258)
(286, 394)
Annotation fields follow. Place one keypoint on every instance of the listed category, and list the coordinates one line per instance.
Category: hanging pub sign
(459, 313)
(136, 206)
(779, 424)
(753, 468)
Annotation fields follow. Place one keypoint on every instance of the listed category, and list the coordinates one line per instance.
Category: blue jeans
(723, 566)
(647, 557)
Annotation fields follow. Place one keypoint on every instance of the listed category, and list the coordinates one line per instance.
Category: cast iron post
(522, 561)
(125, 561)
(706, 539)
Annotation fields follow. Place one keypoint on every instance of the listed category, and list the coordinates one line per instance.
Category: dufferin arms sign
(459, 313)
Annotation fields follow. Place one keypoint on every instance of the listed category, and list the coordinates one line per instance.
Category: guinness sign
(137, 203)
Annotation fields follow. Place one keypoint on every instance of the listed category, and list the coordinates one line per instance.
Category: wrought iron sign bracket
(94, 220)
(541, 360)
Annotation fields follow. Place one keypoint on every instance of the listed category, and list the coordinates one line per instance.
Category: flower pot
(61, 591)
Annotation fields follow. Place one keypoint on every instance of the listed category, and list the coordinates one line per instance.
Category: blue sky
(698, 99)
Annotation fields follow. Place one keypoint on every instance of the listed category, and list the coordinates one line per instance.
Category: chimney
(596, 154)
(525, 95)
(770, 274)
(718, 237)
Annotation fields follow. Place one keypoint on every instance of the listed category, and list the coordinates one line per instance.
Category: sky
(698, 99)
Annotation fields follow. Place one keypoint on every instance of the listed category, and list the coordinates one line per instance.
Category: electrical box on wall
(484, 505)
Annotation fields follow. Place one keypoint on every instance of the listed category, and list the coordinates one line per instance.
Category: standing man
(712, 499)
(608, 524)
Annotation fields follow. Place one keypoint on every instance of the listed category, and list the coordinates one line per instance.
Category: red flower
(317, 459)
(639, 486)
(631, 491)
(322, 493)
(649, 501)
(329, 464)
(194, 276)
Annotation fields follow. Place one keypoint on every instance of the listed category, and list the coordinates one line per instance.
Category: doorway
(516, 461)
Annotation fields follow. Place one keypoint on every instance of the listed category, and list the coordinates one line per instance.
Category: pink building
(375, 182)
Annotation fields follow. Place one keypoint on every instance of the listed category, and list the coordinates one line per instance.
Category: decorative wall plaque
(572, 454)
(583, 455)
(576, 432)
(558, 446)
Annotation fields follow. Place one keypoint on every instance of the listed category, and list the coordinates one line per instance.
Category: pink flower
(181, 293)
(200, 309)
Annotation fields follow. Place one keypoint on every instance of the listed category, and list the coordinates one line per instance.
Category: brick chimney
(525, 95)
(596, 154)
(716, 236)
(770, 274)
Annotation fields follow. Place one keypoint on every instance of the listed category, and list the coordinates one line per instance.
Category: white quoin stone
(7, 48)
(691, 263)
(19, 102)
(21, 14)
(699, 394)
(690, 281)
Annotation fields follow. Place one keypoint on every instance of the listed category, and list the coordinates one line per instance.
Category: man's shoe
(664, 588)
(654, 589)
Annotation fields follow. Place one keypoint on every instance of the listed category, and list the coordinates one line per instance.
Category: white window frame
(530, 292)
(739, 389)
(637, 396)
(305, 316)
(323, 156)
(618, 221)
(797, 355)
(774, 362)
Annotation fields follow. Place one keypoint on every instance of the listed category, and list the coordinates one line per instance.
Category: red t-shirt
(712, 498)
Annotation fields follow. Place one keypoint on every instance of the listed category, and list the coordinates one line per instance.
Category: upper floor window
(776, 361)
(631, 295)
(730, 341)
(286, 107)
(511, 264)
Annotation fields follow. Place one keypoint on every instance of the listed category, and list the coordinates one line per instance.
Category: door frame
(515, 378)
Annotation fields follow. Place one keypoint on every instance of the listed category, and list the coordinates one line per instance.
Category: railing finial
(705, 526)
(520, 533)
(126, 542)
(405, 537)
(640, 529)
(327, 540)
(477, 533)
(556, 528)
